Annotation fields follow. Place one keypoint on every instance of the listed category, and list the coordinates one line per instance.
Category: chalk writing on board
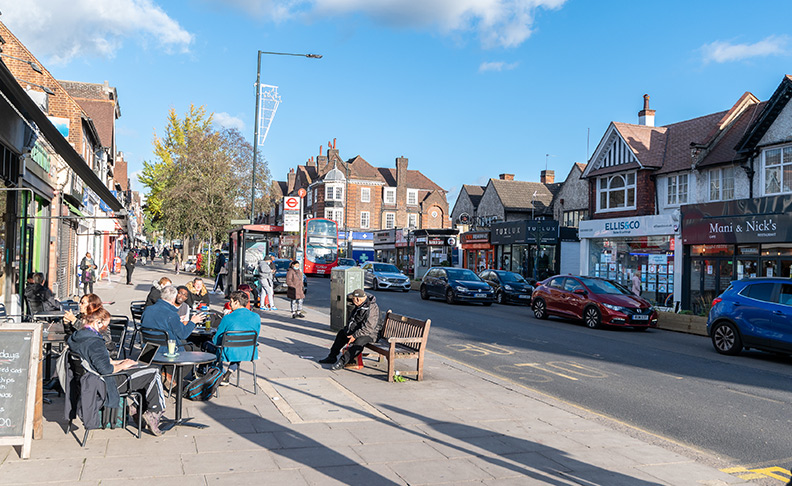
(14, 362)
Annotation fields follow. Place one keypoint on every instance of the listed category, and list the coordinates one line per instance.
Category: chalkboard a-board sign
(20, 346)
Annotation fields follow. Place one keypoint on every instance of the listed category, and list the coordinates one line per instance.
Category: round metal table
(180, 361)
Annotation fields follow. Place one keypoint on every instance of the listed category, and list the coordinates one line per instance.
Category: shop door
(703, 291)
(725, 274)
(785, 267)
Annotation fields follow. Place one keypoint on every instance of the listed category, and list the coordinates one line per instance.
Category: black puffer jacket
(90, 346)
(364, 320)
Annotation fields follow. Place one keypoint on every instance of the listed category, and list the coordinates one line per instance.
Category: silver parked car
(385, 276)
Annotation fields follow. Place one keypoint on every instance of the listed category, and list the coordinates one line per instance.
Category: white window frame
(365, 219)
(365, 194)
(677, 189)
(334, 192)
(604, 185)
(412, 220)
(335, 214)
(412, 194)
(389, 195)
(785, 161)
(717, 178)
(386, 224)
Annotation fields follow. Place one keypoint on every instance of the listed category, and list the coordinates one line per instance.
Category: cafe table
(180, 361)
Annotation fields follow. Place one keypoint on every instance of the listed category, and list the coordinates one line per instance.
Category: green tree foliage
(198, 181)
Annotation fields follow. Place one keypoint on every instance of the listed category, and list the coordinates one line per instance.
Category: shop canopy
(17, 96)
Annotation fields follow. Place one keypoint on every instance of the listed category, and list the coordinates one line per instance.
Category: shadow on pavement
(528, 458)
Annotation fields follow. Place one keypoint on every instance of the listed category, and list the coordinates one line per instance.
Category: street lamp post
(256, 129)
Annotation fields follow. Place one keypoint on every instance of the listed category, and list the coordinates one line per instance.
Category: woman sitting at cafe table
(89, 345)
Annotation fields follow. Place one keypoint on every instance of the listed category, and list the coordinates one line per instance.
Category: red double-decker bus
(321, 246)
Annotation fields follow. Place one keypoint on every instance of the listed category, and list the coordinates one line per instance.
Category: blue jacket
(164, 316)
(239, 320)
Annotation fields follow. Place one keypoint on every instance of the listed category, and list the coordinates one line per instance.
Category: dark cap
(358, 293)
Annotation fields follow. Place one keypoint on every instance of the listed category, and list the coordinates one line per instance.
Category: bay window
(777, 170)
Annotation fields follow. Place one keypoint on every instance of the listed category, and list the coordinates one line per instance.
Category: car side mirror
(581, 292)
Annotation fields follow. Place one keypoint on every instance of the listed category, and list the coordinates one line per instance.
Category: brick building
(364, 198)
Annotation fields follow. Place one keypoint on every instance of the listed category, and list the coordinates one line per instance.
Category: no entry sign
(290, 202)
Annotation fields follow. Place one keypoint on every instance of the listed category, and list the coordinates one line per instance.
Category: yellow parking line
(539, 367)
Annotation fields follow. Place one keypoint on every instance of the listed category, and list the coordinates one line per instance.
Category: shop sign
(386, 236)
(421, 240)
(530, 231)
(475, 237)
(435, 241)
(662, 224)
(763, 220)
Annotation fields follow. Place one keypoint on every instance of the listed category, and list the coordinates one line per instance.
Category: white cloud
(134, 181)
(721, 52)
(62, 30)
(225, 120)
(505, 23)
(497, 66)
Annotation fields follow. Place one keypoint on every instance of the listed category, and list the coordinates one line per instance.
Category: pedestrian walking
(220, 270)
(265, 271)
(177, 260)
(130, 265)
(636, 283)
(294, 289)
(88, 268)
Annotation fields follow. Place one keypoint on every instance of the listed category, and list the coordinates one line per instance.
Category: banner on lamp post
(269, 100)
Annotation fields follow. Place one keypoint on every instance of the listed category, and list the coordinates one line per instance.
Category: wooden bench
(402, 338)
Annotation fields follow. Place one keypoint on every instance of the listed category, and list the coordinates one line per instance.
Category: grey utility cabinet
(343, 281)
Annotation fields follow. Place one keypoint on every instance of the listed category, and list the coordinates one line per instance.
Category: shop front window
(619, 259)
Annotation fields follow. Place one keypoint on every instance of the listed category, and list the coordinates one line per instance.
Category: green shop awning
(73, 209)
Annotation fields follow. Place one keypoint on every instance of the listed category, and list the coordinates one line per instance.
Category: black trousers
(129, 269)
(147, 381)
(341, 340)
(88, 287)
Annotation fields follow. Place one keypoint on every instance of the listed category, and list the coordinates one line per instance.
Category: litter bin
(343, 281)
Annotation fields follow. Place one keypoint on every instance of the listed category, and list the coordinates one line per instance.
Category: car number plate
(480, 295)
(525, 296)
(640, 318)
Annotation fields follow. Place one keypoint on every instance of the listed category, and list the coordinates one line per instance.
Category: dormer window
(616, 192)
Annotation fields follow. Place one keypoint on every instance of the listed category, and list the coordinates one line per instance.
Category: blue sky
(466, 89)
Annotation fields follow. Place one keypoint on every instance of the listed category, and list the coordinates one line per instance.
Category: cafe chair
(118, 332)
(241, 339)
(158, 336)
(78, 368)
(136, 311)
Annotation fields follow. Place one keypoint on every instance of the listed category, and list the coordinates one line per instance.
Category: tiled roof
(518, 195)
(647, 143)
(474, 193)
(725, 149)
(103, 115)
(581, 166)
(415, 179)
(359, 168)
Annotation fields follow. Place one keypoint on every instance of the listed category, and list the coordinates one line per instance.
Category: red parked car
(593, 300)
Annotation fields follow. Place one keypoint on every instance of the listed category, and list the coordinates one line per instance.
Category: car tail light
(717, 300)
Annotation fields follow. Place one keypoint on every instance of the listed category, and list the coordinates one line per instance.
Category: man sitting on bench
(363, 328)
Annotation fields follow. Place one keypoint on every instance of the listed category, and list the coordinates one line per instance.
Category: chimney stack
(547, 177)
(401, 171)
(291, 178)
(646, 116)
(506, 177)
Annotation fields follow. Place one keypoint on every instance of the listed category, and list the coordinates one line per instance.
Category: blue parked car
(753, 313)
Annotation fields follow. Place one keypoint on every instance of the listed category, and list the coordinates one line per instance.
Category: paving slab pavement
(310, 426)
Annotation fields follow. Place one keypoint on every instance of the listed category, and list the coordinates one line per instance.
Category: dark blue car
(753, 313)
(456, 285)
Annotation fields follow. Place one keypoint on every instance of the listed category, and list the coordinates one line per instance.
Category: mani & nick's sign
(761, 220)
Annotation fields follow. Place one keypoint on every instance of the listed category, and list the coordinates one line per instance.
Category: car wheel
(375, 285)
(500, 297)
(424, 293)
(726, 339)
(539, 309)
(450, 296)
(592, 318)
